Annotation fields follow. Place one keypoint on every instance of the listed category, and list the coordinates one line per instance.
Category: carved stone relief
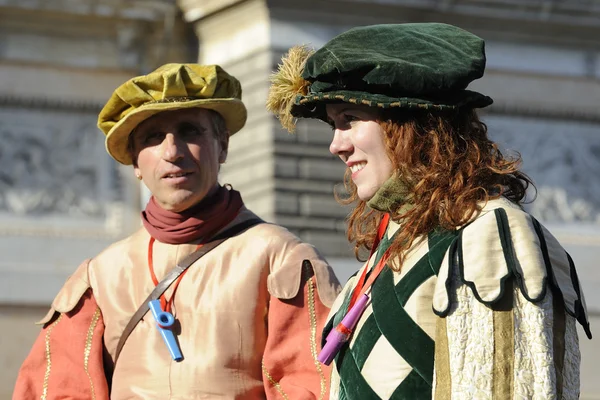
(52, 163)
(562, 158)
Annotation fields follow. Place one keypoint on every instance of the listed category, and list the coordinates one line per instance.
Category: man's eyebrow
(187, 124)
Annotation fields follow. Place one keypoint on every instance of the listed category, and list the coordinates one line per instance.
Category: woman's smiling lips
(356, 167)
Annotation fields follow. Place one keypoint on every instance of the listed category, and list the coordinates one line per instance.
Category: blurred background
(62, 199)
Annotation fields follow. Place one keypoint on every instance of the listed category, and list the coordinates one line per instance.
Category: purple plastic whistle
(341, 333)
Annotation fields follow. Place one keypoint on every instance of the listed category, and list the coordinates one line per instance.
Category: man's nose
(340, 144)
(172, 148)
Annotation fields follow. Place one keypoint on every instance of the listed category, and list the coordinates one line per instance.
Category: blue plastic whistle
(164, 321)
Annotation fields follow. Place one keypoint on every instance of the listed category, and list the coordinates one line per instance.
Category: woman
(464, 295)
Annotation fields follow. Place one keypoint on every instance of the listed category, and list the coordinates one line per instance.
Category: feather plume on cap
(287, 83)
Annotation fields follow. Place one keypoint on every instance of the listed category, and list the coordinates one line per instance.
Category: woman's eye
(350, 118)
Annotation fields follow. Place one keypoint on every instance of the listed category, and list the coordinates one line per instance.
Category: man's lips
(176, 178)
(176, 174)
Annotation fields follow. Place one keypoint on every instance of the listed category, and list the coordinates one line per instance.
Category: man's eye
(153, 137)
(189, 131)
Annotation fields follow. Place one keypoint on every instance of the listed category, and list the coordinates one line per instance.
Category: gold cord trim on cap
(48, 359)
(370, 103)
(443, 383)
(313, 335)
(88, 349)
(273, 381)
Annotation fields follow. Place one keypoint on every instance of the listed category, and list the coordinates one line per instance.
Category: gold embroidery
(273, 381)
(504, 348)
(443, 383)
(48, 360)
(88, 349)
(558, 342)
(313, 334)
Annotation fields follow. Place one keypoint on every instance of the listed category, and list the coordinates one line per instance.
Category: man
(246, 314)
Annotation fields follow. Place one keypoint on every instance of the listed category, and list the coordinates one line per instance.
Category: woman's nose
(171, 148)
(340, 144)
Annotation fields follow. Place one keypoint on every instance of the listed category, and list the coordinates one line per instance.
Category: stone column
(285, 178)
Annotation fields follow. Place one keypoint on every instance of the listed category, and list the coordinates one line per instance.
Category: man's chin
(180, 201)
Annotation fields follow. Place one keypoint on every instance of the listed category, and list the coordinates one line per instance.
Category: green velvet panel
(403, 333)
(390, 319)
(413, 387)
(353, 385)
(439, 242)
(366, 339)
(414, 278)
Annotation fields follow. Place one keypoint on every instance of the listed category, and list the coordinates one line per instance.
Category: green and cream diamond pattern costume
(462, 319)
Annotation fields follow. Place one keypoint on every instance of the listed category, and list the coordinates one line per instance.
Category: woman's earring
(138, 176)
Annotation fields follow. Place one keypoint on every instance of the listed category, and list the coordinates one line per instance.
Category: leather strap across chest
(176, 272)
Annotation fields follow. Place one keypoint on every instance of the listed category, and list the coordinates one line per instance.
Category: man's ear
(224, 143)
(137, 172)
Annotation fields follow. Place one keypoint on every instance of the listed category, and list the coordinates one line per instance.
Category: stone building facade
(62, 199)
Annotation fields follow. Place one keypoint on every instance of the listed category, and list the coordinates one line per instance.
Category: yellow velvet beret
(170, 87)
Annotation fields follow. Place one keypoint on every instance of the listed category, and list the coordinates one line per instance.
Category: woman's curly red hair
(450, 168)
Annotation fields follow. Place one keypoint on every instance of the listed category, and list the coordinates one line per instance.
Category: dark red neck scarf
(198, 222)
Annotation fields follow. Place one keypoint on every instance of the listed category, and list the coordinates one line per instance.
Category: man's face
(178, 156)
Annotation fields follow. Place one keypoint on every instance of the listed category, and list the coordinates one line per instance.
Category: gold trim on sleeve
(88, 349)
(313, 335)
(443, 383)
(558, 342)
(48, 359)
(504, 346)
(273, 381)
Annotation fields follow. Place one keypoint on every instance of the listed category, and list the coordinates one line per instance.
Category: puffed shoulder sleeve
(508, 297)
(302, 287)
(509, 243)
(284, 281)
(70, 294)
(66, 360)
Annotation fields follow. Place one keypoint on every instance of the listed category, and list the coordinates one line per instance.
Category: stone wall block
(315, 205)
(286, 203)
(330, 243)
(330, 170)
(304, 186)
(299, 223)
(314, 131)
(286, 167)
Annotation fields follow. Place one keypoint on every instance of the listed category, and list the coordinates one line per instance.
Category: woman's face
(358, 141)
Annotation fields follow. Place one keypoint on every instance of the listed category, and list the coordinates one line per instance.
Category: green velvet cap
(417, 65)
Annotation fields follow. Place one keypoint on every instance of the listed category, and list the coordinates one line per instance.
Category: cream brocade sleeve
(508, 297)
(528, 351)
